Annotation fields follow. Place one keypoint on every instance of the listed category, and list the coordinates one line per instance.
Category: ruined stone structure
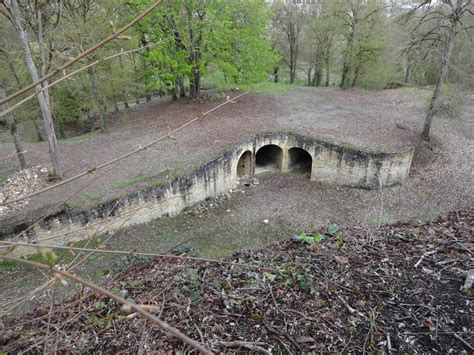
(286, 152)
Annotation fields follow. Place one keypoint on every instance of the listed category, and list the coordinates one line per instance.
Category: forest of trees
(185, 45)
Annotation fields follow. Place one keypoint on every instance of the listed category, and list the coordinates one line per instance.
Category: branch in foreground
(46, 87)
(132, 253)
(82, 55)
(137, 308)
(136, 151)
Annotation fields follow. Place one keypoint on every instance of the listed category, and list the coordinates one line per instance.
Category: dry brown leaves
(396, 288)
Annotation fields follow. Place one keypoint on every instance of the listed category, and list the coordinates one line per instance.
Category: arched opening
(268, 158)
(300, 161)
(244, 166)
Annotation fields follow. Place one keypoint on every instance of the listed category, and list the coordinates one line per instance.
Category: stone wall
(329, 164)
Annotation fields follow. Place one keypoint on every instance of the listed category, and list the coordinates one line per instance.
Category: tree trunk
(174, 93)
(344, 72)
(123, 91)
(137, 78)
(356, 76)
(348, 62)
(98, 101)
(195, 87)
(112, 87)
(425, 135)
(145, 80)
(275, 74)
(327, 74)
(45, 111)
(292, 64)
(180, 87)
(42, 47)
(310, 71)
(407, 73)
(11, 121)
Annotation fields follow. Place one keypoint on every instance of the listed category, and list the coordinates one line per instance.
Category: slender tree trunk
(425, 135)
(348, 63)
(310, 71)
(123, 91)
(180, 87)
(98, 101)
(11, 121)
(137, 77)
(45, 110)
(195, 88)
(327, 73)
(407, 73)
(292, 63)
(174, 93)
(112, 87)
(145, 80)
(275, 74)
(42, 47)
(356, 76)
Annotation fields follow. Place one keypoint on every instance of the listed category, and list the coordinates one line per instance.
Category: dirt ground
(272, 206)
(395, 289)
(386, 120)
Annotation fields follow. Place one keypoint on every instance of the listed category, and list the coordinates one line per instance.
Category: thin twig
(466, 344)
(133, 152)
(12, 155)
(134, 253)
(83, 54)
(349, 308)
(245, 344)
(46, 87)
(137, 308)
(426, 255)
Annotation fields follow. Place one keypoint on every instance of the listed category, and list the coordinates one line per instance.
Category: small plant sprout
(331, 230)
(49, 256)
(309, 239)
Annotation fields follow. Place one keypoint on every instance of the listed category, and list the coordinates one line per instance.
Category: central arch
(300, 161)
(268, 158)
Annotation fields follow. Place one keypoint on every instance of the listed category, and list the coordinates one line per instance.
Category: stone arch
(244, 166)
(269, 158)
(300, 161)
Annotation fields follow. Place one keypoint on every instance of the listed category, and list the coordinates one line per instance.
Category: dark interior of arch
(269, 157)
(300, 161)
(244, 166)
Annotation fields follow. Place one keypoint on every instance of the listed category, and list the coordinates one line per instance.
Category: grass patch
(84, 136)
(64, 256)
(9, 171)
(132, 181)
(270, 88)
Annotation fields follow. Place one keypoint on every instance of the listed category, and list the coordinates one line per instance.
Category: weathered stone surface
(330, 164)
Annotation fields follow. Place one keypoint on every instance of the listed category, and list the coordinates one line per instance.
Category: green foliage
(309, 239)
(331, 230)
(49, 256)
(451, 101)
(297, 276)
(228, 36)
(376, 75)
(73, 102)
(192, 285)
